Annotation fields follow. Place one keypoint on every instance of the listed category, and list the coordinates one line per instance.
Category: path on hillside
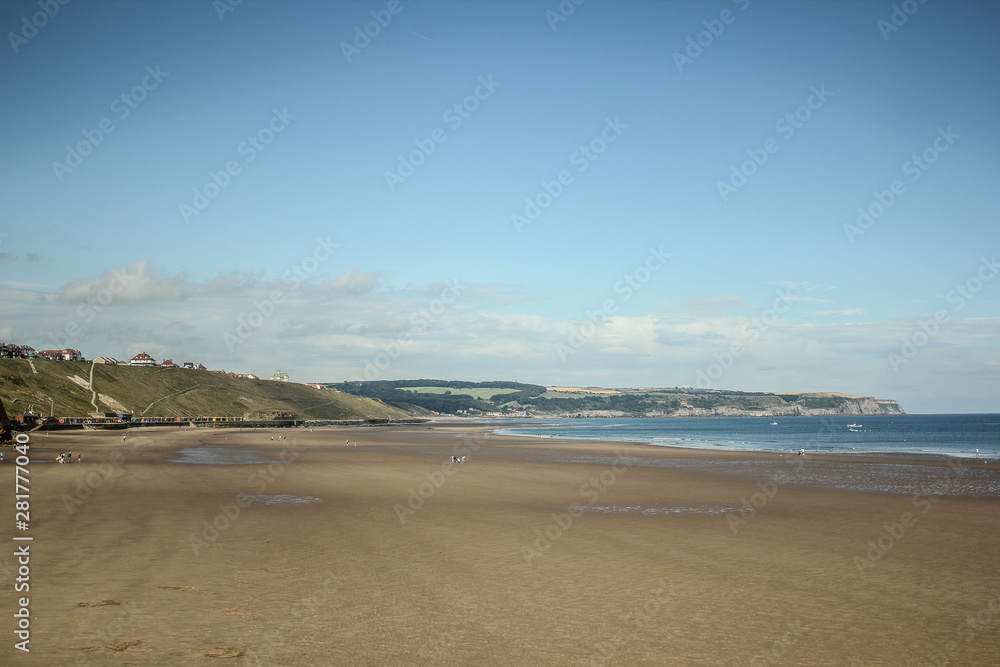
(319, 405)
(197, 384)
(31, 363)
(93, 392)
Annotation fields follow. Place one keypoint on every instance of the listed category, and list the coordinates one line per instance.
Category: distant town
(13, 351)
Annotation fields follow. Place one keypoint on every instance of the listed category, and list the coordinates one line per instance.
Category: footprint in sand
(228, 652)
(243, 611)
(114, 648)
(101, 603)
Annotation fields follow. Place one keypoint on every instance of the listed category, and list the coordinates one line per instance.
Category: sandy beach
(304, 551)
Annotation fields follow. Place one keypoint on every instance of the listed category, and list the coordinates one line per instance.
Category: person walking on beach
(79, 458)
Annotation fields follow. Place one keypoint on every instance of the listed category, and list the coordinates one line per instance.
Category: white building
(142, 359)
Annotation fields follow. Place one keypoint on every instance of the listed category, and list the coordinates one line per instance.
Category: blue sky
(311, 260)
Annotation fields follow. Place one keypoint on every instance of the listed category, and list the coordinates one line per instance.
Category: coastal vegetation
(514, 398)
(75, 389)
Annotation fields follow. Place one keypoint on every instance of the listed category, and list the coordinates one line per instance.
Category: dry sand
(126, 568)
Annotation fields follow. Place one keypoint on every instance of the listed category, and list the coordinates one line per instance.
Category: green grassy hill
(479, 398)
(62, 387)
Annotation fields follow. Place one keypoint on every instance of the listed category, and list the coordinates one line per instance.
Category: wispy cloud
(848, 312)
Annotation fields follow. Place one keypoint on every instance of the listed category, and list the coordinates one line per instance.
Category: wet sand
(531, 552)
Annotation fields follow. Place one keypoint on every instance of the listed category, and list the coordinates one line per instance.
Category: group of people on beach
(67, 457)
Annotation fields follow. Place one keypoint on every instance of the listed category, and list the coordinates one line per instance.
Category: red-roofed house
(142, 359)
(61, 355)
(168, 364)
(12, 351)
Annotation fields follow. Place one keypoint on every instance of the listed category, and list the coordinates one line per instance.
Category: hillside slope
(63, 388)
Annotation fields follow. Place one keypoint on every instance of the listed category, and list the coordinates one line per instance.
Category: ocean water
(930, 435)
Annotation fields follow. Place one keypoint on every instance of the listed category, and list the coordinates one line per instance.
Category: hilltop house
(61, 355)
(167, 363)
(110, 361)
(13, 351)
(280, 376)
(142, 359)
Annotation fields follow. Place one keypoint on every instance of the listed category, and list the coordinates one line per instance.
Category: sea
(965, 436)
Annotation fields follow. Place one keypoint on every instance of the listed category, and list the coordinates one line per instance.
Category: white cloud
(355, 282)
(332, 330)
(805, 298)
(848, 312)
(135, 282)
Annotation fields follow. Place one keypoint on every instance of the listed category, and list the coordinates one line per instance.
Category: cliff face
(806, 405)
(847, 406)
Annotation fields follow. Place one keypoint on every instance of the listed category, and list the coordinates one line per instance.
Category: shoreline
(875, 454)
(485, 433)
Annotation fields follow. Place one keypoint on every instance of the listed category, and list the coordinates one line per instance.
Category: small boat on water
(774, 423)
(854, 426)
